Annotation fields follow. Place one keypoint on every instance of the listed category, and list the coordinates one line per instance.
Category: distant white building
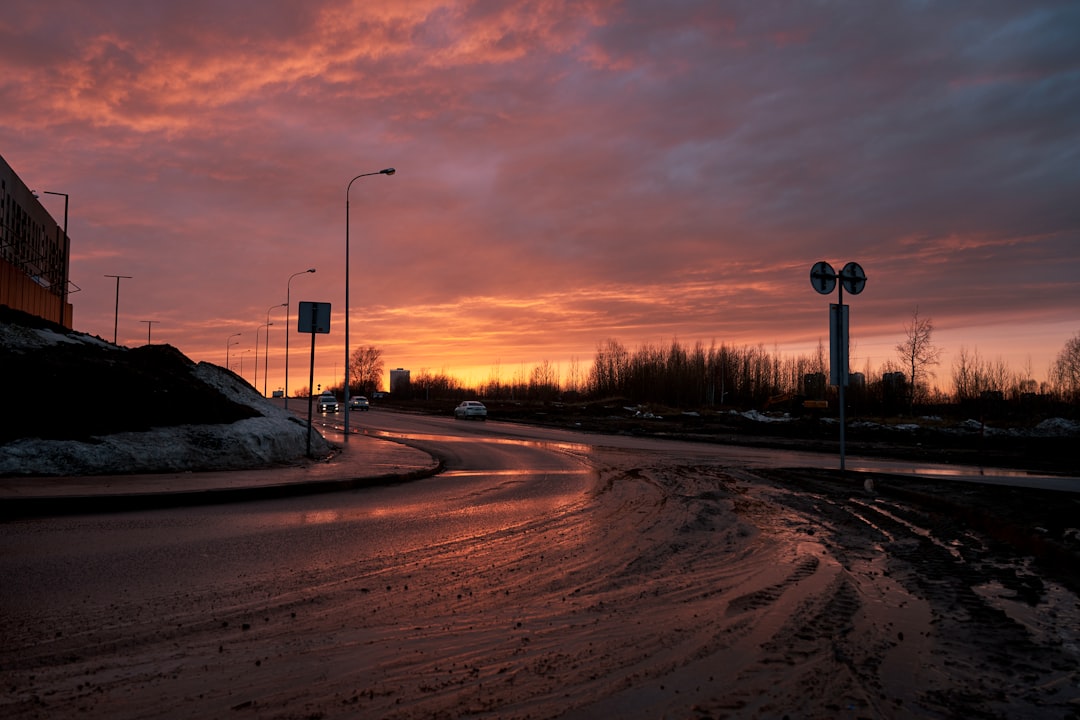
(399, 381)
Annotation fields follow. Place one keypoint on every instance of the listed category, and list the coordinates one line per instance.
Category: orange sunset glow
(566, 173)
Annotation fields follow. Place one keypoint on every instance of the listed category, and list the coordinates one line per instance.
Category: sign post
(314, 318)
(823, 279)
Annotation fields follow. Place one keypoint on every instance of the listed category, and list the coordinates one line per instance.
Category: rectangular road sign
(838, 344)
(314, 317)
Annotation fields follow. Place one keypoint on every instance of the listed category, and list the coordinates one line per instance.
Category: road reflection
(563, 446)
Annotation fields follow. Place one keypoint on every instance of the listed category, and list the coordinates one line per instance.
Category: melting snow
(277, 437)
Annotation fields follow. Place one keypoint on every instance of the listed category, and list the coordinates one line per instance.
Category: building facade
(35, 253)
(399, 381)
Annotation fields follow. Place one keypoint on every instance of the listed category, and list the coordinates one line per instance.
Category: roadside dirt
(671, 588)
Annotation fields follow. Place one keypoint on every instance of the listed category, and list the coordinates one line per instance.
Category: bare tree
(609, 370)
(821, 365)
(1065, 372)
(574, 381)
(544, 382)
(366, 369)
(493, 388)
(973, 376)
(436, 386)
(965, 375)
(918, 353)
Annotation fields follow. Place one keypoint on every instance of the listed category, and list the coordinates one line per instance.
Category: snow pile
(19, 337)
(761, 417)
(1051, 427)
(277, 437)
(1057, 427)
(251, 443)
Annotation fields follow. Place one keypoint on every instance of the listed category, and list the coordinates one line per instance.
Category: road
(417, 426)
(539, 576)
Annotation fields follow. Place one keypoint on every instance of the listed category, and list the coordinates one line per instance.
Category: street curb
(31, 507)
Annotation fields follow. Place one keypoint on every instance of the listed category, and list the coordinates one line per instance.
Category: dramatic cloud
(568, 172)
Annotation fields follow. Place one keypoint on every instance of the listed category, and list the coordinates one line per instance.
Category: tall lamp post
(266, 343)
(288, 298)
(228, 344)
(67, 252)
(266, 325)
(386, 171)
(116, 315)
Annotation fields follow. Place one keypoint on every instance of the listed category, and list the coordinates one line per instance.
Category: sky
(566, 173)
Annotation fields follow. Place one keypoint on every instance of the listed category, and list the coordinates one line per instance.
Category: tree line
(674, 375)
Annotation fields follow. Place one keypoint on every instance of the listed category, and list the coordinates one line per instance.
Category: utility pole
(116, 315)
(148, 324)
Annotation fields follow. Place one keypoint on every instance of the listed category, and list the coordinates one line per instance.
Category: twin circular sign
(823, 278)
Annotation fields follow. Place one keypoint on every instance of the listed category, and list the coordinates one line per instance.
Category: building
(35, 253)
(399, 382)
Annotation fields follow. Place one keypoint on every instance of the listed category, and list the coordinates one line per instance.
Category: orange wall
(18, 291)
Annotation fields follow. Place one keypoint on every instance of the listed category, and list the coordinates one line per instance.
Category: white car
(470, 409)
(359, 402)
(328, 404)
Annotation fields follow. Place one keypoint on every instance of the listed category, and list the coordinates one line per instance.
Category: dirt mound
(82, 406)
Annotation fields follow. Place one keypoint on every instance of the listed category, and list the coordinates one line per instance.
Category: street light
(288, 297)
(242, 353)
(387, 171)
(228, 344)
(67, 253)
(266, 325)
(266, 345)
(116, 315)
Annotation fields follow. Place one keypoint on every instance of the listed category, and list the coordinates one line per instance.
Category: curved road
(416, 426)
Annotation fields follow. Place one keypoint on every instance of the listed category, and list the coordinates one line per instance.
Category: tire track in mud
(1006, 653)
(767, 596)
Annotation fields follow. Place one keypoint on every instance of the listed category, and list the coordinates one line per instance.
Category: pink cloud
(567, 172)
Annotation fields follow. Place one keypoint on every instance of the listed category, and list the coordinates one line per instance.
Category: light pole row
(266, 340)
(266, 348)
(228, 344)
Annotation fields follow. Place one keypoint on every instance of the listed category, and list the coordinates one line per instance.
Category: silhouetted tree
(1065, 371)
(918, 353)
(574, 381)
(609, 371)
(544, 382)
(365, 370)
(436, 386)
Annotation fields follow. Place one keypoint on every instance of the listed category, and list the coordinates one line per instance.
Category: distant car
(470, 409)
(328, 404)
(359, 402)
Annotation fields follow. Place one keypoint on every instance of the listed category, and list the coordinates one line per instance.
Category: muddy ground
(672, 587)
